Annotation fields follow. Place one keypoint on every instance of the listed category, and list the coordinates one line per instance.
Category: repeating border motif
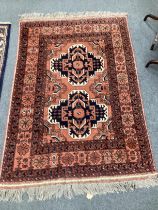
(4, 44)
(130, 150)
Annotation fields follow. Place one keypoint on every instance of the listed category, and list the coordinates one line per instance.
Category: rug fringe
(67, 15)
(69, 191)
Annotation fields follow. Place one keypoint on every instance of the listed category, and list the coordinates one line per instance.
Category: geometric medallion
(77, 65)
(78, 114)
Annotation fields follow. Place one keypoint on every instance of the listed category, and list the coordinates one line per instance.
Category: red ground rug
(76, 114)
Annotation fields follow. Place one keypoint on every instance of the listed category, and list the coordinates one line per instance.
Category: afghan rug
(4, 42)
(76, 122)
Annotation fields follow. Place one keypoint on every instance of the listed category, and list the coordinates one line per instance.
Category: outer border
(87, 180)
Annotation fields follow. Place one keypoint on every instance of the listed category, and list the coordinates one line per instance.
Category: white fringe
(67, 15)
(69, 191)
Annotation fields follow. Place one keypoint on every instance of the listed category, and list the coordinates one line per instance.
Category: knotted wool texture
(76, 111)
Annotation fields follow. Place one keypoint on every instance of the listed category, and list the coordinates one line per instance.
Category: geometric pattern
(76, 109)
(78, 64)
(78, 114)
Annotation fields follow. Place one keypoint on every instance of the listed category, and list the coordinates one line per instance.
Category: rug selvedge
(76, 110)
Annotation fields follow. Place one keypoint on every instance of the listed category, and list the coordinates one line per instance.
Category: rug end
(69, 191)
(66, 15)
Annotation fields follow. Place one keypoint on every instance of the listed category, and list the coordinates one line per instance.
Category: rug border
(46, 191)
(63, 181)
(121, 178)
(140, 94)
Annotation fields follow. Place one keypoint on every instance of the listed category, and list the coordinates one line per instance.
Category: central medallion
(78, 65)
(78, 114)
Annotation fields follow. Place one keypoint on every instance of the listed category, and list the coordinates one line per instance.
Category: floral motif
(94, 157)
(23, 148)
(40, 161)
(25, 123)
(124, 98)
(30, 78)
(119, 156)
(67, 159)
(28, 99)
(122, 78)
(127, 119)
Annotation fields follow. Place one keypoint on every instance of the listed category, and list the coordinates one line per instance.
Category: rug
(4, 42)
(76, 123)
